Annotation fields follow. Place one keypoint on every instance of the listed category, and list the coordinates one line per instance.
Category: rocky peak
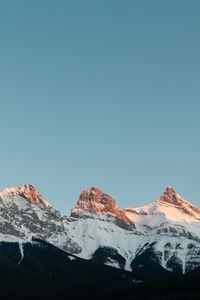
(171, 197)
(26, 191)
(170, 191)
(96, 202)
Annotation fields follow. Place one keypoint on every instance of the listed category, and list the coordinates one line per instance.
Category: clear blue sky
(100, 93)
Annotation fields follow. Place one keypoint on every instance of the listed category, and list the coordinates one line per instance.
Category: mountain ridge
(167, 229)
(26, 191)
(101, 203)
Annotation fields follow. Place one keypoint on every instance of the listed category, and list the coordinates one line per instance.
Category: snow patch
(21, 252)
(112, 263)
(71, 257)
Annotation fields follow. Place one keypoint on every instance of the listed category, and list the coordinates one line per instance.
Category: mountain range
(158, 240)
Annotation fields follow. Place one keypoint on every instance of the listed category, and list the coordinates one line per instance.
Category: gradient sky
(100, 93)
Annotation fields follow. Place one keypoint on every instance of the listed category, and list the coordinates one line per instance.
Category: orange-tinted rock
(28, 192)
(170, 196)
(96, 202)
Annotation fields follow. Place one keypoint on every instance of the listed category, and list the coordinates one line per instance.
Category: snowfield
(170, 227)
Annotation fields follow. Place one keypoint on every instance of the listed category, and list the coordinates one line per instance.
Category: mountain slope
(46, 272)
(169, 226)
(167, 230)
(24, 215)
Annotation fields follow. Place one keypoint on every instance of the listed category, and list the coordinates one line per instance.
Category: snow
(29, 191)
(126, 242)
(159, 223)
(21, 252)
(91, 234)
(96, 231)
(180, 254)
(158, 212)
(10, 238)
(112, 263)
(71, 257)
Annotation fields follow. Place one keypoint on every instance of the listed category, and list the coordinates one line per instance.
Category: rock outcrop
(93, 203)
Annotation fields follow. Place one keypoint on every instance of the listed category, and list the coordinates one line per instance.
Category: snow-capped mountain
(93, 203)
(166, 231)
(27, 191)
(24, 214)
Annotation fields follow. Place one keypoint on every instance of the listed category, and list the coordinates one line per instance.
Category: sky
(100, 93)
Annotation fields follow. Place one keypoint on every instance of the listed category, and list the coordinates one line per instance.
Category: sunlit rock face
(24, 215)
(171, 197)
(93, 203)
(167, 229)
(26, 191)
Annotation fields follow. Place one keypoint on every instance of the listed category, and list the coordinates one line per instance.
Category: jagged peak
(95, 202)
(26, 191)
(171, 197)
(169, 191)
